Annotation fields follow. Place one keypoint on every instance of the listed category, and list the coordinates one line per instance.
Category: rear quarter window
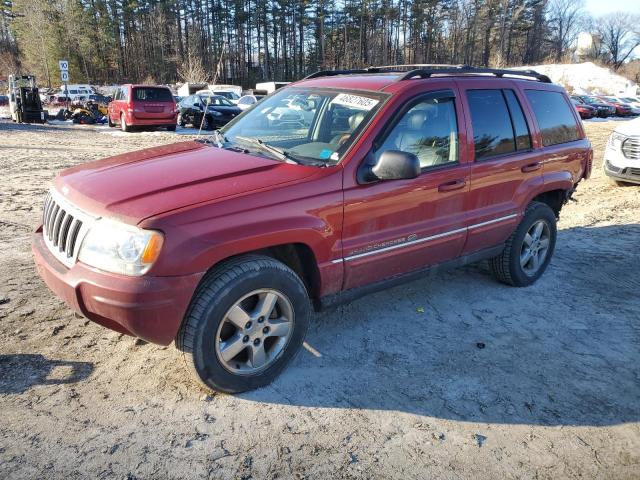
(555, 118)
(152, 94)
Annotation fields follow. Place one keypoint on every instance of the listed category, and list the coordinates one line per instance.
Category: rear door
(398, 226)
(505, 166)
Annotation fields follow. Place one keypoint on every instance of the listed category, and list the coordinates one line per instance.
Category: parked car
(585, 111)
(633, 105)
(247, 101)
(4, 100)
(142, 106)
(218, 109)
(603, 109)
(622, 109)
(224, 245)
(622, 154)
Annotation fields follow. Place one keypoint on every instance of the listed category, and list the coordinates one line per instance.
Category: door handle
(532, 167)
(453, 185)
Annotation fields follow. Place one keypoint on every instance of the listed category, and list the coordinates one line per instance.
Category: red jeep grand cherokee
(338, 185)
(142, 106)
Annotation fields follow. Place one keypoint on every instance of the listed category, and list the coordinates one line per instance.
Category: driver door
(397, 226)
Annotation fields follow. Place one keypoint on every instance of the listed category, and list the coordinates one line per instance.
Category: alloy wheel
(535, 247)
(254, 332)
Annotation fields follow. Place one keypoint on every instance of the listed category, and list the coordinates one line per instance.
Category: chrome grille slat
(73, 235)
(56, 226)
(64, 227)
(52, 221)
(64, 230)
(631, 148)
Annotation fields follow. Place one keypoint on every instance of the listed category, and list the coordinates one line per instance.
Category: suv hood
(630, 129)
(137, 185)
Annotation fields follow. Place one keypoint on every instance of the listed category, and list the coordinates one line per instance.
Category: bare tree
(192, 69)
(565, 18)
(620, 36)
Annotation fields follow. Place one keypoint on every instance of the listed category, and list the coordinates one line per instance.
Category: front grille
(631, 148)
(63, 228)
(633, 171)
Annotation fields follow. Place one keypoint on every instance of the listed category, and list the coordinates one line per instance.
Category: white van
(75, 92)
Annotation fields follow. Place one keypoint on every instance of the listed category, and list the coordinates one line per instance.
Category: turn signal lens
(152, 250)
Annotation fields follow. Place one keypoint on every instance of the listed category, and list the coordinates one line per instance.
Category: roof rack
(428, 70)
(468, 70)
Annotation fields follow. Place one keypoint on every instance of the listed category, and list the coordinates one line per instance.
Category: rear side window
(492, 129)
(520, 128)
(555, 119)
(153, 94)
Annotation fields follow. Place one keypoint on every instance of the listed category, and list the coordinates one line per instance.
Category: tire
(111, 124)
(507, 267)
(207, 329)
(123, 124)
(181, 121)
(171, 128)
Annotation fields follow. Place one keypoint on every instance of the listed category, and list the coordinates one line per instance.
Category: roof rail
(331, 73)
(430, 69)
(377, 69)
(468, 70)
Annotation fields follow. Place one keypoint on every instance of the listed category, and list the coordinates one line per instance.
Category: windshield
(216, 100)
(229, 95)
(317, 124)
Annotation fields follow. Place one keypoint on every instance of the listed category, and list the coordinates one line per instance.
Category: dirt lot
(396, 385)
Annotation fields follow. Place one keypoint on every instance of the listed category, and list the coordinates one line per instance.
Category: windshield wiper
(220, 138)
(275, 151)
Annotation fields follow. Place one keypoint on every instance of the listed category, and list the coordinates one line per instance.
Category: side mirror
(390, 165)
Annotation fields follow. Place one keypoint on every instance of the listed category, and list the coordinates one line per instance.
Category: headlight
(615, 141)
(120, 248)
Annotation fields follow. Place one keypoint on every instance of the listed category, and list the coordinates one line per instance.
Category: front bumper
(627, 174)
(151, 308)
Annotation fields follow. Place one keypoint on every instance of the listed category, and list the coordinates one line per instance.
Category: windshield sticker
(326, 153)
(354, 101)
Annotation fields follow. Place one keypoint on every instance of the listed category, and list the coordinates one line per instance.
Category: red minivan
(142, 106)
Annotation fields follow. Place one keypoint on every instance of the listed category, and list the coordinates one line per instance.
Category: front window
(305, 124)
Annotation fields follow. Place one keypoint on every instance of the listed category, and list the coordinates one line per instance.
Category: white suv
(622, 155)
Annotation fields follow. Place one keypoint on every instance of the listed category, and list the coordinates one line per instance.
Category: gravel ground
(455, 376)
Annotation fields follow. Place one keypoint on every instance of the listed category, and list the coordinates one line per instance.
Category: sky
(601, 7)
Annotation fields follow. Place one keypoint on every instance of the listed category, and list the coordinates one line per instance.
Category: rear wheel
(247, 320)
(111, 124)
(123, 124)
(529, 249)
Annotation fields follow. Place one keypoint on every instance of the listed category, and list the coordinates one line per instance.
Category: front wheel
(529, 249)
(245, 323)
